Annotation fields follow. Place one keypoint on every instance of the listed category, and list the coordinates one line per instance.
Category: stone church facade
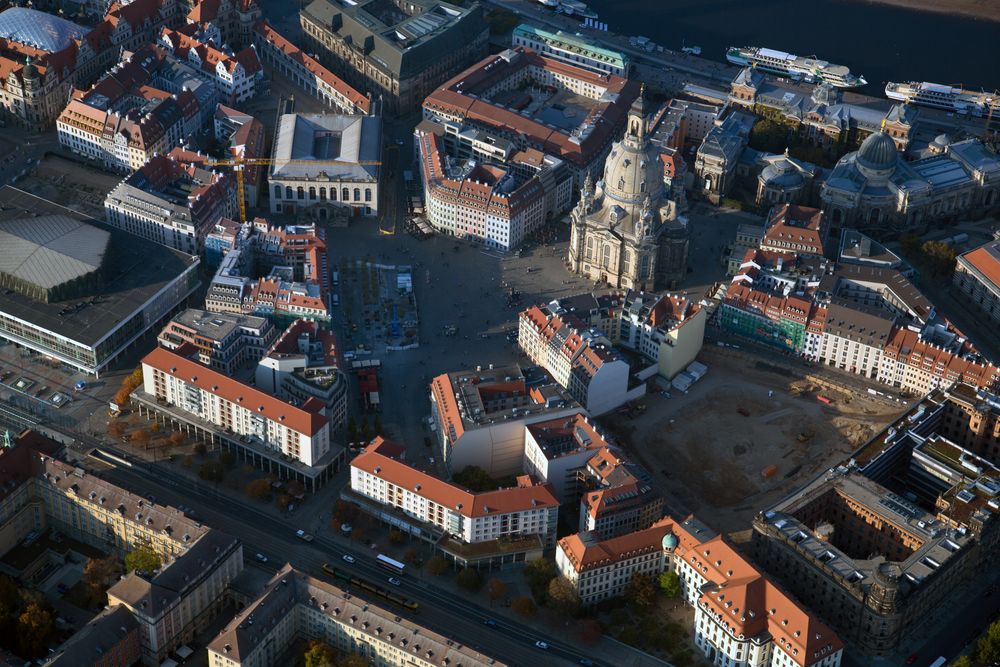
(626, 231)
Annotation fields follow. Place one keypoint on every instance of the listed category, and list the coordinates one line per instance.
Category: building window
(368, 194)
(277, 192)
(300, 191)
(312, 193)
(357, 194)
(345, 194)
(288, 192)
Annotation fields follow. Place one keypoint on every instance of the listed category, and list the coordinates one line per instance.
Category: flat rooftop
(136, 270)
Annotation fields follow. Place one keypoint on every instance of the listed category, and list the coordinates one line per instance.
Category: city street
(261, 532)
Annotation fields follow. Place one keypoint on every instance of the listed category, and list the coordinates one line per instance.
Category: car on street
(542, 645)
(395, 582)
(912, 658)
(261, 558)
(586, 661)
(490, 622)
(348, 558)
(303, 535)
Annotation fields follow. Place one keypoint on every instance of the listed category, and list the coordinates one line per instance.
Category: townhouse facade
(237, 76)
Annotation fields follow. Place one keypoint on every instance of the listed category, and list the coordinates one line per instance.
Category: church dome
(631, 173)
(878, 152)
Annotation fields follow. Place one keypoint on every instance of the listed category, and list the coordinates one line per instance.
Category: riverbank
(988, 10)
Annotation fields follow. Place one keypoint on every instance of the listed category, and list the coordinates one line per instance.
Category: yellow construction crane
(237, 163)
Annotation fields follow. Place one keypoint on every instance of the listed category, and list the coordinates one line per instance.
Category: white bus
(388, 563)
(940, 662)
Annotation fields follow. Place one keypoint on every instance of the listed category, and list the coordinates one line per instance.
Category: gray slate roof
(50, 250)
(403, 45)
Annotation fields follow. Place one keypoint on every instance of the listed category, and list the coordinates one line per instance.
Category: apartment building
(479, 415)
(618, 496)
(853, 338)
(977, 276)
(110, 639)
(601, 569)
(294, 606)
(237, 76)
(557, 451)
(799, 230)
(580, 359)
(399, 52)
(468, 99)
(571, 49)
(145, 105)
(667, 330)
(161, 610)
(741, 617)
(226, 342)
(497, 204)
(47, 55)
(293, 441)
(171, 202)
(305, 71)
(305, 362)
(180, 601)
(427, 507)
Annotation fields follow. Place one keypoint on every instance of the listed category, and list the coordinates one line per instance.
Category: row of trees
(320, 654)
(936, 257)
(129, 384)
(986, 652)
(27, 622)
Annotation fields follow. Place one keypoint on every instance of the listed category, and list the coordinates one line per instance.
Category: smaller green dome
(669, 542)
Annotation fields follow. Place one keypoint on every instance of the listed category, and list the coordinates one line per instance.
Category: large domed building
(876, 187)
(625, 230)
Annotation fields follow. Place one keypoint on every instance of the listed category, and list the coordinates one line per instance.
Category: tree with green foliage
(257, 488)
(539, 573)
(670, 584)
(352, 661)
(319, 654)
(212, 471)
(962, 661)
(142, 559)
(588, 630)
(988, 646)
(562, 597)
(35, 627)
(939, 257)
(524, 606)
(497, 589)
(437, 565)
(641, 590)
(475, 479)
(469, 579)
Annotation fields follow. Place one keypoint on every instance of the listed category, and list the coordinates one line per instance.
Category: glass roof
(38, 29)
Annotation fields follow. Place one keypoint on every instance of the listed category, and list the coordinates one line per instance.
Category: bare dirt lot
(712, 459)
(81, 187)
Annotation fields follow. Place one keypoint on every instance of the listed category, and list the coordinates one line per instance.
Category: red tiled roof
(176, 364)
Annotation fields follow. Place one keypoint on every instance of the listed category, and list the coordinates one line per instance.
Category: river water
(882, 42)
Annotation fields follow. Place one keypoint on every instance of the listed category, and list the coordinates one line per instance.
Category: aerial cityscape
(461, 333)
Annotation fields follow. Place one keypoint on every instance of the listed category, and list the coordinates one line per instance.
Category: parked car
(394, 581)
(348, 558)
(261, 558)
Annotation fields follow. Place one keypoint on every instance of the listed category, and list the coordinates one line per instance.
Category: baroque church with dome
(626, 232)
(875, 187)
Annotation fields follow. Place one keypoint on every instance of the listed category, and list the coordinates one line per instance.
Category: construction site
(746, 434)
